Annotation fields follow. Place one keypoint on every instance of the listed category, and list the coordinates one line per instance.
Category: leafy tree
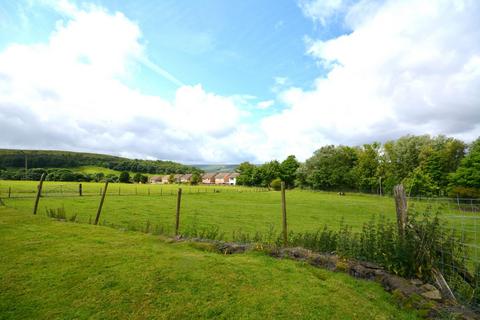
(419, 183)
(246, 172)
(468, 173)
(367, 167)
(143, 179)
(196, 178)
(124, 177)
(171, 178)
(331, 167)
(99, 176)
(137, 177)
(288, 171)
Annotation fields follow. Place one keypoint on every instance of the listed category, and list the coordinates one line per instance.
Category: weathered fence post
(401, 207)
(177, 216)
(9, 191)
(80, 189)
(101, 203)
(148, 191)
(39, 193)
(284, 215)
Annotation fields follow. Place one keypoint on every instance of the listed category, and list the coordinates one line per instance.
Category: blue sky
(229, 47)
(225, 81)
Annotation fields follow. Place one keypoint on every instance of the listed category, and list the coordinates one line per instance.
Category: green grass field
(230, 208)
(57, 270)
(233, 211)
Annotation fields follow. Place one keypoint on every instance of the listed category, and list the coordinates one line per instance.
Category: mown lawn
(58, 270)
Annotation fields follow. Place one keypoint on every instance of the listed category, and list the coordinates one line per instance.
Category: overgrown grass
(51, 269)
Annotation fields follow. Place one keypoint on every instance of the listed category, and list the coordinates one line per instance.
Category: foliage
(288, 171)
(66, 159)
(143, 179)
(124, 177)
(263, 175)
(276, 184)
(195, 179)
(331, 168)
(468, 173)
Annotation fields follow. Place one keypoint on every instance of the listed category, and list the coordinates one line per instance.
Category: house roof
(209, 175)
(233, 175)
(186, 176)
(155, 178)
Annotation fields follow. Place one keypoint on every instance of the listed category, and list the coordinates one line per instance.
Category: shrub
(276, 184)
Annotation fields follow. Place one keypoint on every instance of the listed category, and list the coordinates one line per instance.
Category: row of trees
(69, 175)
(429, 166)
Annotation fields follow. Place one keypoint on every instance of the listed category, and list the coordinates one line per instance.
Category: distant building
(232, 178)
(177, 177)
(221, 178)
(208, 178)
(166, 179)
(156, 179)
(186, 178)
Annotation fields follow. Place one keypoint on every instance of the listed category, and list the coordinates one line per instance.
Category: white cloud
(407, 67)
(321, 10)
(69, 93)
(265, 104)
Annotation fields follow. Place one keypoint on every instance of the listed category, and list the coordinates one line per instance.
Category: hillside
(10, 158)
(216, 167)
(51, 269)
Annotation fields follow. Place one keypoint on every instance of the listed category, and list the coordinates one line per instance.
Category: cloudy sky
(220, 81)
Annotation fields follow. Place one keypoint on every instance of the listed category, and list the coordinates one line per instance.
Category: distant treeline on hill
(64, 159)
(427, 166)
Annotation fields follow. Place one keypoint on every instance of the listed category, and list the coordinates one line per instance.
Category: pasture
(51, 269)
(229, 208)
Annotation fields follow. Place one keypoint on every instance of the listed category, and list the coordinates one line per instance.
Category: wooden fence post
(401, 207)
(101, 203)
(9, 191)
(39, 193)
(80, 189)
(284, 215)
(177, 216)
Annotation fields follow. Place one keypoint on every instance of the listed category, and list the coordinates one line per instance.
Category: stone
(432, 295)
(416, 282)
(427, 287)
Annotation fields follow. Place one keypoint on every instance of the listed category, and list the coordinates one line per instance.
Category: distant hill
(12, 158)
(216, 167)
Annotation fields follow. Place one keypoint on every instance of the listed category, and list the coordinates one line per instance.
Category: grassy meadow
(228, 208)
(56, 270)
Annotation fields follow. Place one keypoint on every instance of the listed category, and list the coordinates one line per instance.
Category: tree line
(427, 166)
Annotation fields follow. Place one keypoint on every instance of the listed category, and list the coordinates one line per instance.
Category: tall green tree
(288, 171)
(366, 170)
